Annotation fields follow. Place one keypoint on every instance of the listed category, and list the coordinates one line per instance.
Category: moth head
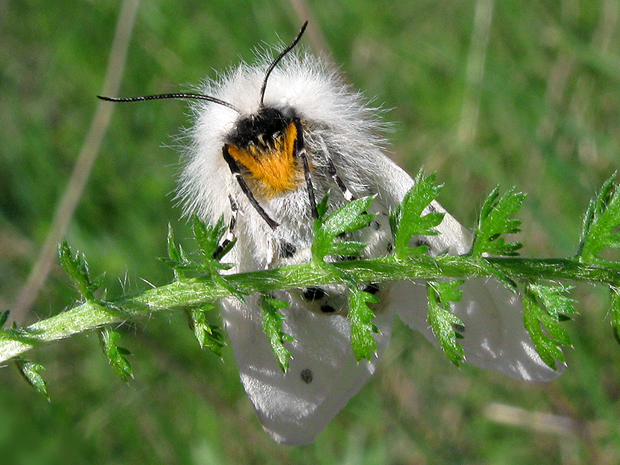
(263, 143)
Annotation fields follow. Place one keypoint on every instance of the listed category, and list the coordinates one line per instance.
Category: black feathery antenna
(208, 98)
(277, 60)
(143, 98)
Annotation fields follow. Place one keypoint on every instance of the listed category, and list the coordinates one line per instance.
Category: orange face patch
(274, 165)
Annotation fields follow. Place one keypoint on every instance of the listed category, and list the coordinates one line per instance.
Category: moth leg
(230, 235)
(331, 169)
(234, 169)
(300, 151)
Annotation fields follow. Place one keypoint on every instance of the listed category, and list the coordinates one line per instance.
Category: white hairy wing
(322, 376)
(495, 337)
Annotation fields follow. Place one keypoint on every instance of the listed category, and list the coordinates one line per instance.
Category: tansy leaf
(360, 318)
(114, 354)
(446, 326)
(212, 248)
(545, 306)
(350, 217)
(272, 326)
(408, 219)
(208, 336)
(555, 300)
(600, 225)
(177, 258)
(209, 239)
(77, 269)
(30, 372)
(494, 221)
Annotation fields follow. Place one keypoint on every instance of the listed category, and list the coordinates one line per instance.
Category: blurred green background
(485, 93)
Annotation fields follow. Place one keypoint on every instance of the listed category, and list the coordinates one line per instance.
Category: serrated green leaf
(599, 230)
(407, 221)
(176, 251)
(272, 320)
(208, 237)
(360, 319)
(494, 221)
(350, 217)
(209, 336)
(327, 232)
(597, 205)
(544, 306)
(173, 248)
(176, 255)
(17, 333)
(446, 325)
(115, 355)
(614, 313)
(448, 291)
(30, 372)
(347, 248)
(97, 282)
(554, 298)
(76, 267)
(553, 302)
(546, 347)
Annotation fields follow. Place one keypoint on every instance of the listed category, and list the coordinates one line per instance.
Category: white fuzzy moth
(268, 140)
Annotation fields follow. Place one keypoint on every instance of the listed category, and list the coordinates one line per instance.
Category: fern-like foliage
(200, 282)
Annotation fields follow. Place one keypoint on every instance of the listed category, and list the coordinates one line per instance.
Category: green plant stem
(193, 292)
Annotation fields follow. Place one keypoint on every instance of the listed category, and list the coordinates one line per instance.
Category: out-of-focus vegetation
(515, 93)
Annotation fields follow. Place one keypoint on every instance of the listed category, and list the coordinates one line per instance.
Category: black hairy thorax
(259, 129)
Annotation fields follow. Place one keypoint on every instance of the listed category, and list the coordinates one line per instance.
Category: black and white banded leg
(331, 169)
(300, 151)
(230, 234)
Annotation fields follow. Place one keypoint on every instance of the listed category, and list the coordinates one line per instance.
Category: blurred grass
(545, 86)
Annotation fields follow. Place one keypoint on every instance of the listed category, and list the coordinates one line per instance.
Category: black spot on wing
(327, 309)
(287, 250)
(306, 375)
